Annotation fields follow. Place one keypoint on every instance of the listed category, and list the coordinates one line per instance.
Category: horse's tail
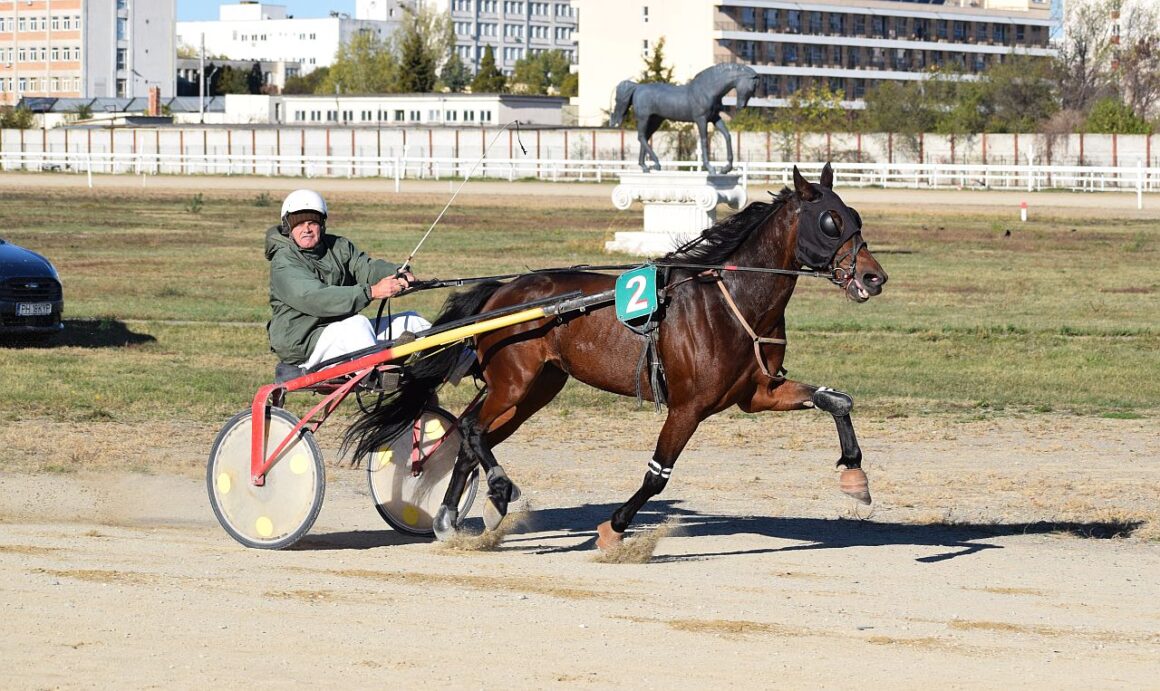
(421, 378)
(624, 92)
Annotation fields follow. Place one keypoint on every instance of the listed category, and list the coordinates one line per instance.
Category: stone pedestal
(678, 205)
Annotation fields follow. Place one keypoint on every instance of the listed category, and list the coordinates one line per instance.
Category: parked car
(31, 299)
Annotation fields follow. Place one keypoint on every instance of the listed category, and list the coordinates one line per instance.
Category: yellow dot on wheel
(224, 483)
(410, 514)
(264, 526)
(386, 455)
(433, 428)
(299, 464)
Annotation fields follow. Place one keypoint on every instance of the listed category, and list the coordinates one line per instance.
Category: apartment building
(848, 46)
(252, 31)
(85, 48)
(515, 29)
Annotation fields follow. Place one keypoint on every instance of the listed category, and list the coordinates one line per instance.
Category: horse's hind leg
(792, 395)
(676, 432)
(505, 408)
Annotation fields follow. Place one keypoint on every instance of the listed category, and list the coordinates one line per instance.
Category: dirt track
(1021, 552)
(983, 566)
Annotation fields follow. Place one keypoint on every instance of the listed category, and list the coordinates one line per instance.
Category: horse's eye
(828, 225)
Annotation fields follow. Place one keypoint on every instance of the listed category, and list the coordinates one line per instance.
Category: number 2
(635, 304)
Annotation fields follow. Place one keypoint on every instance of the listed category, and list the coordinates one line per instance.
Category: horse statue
(722, 340)
(698, 101)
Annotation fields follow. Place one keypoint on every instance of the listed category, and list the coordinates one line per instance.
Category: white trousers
(357, 332)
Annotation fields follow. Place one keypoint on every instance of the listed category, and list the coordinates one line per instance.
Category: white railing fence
(1137, 179)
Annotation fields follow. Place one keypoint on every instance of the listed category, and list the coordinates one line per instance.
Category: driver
(319, 283)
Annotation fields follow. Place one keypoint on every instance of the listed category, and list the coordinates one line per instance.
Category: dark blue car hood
(17, 261)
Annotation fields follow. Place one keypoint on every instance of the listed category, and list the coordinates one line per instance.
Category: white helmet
(302, 200)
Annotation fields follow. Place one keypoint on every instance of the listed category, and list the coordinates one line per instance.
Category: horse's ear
(804, 189)
(827, 180)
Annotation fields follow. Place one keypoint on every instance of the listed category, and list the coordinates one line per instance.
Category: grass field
(165, 297)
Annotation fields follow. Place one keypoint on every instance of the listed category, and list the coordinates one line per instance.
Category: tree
(19, 118)
(454, 76)
(1083, 52)
(654, 66)
(1111, 116)
(1017, 94)
(254, 79)
(422, 40)
(541, 74)
(488, 80)
(570, 86)
(230, 81)
(362, 65)
(306, 84)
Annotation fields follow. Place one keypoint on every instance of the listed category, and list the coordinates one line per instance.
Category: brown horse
(721, 343)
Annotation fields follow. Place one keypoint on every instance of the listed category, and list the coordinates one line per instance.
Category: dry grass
(549, 587)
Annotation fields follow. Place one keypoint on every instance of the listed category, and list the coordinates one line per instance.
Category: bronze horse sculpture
(698, 102)
(721, 342)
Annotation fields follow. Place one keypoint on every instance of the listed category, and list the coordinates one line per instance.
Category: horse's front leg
(676, 432)
(792, 395)
(703, 131)
(719, 124)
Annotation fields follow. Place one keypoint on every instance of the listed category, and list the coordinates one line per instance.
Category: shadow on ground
(84, 333)
(958, 539)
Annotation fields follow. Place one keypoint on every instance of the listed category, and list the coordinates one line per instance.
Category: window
(836, 23)
(399, 115)
(121, 58)
(794, 19)
(55, 53)
(999, 33)
(643, 13)
(22, 25)
(22, 85)
(748, 18)
(469, 116)
(980, 32)
(815, 22)
(772, 20)
(122, 28)
(21, 55)
(789, 53)
(940, 28)
(55, 24)
(452, 116)
(485, 116)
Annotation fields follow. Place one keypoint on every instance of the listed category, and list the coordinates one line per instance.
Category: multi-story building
(85, 48)
(848, 46)
(253, 30)
(515, 29)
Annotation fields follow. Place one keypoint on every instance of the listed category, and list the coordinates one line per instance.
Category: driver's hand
(391, 286)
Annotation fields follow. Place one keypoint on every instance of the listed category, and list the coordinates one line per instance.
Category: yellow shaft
(463, 332)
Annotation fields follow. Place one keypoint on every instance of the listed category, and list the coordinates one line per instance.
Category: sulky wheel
(278, 513)
(408, 501)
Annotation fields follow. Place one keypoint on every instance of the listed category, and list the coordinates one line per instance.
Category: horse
(698, 101)
(721, 342)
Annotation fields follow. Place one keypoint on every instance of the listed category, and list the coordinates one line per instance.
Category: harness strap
(757, 340)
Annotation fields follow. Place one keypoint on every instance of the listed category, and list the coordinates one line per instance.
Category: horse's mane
(722, 239)
(725, 68)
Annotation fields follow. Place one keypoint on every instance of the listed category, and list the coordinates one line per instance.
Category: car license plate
(33, 309)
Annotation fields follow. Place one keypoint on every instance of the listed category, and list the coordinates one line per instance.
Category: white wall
(612, 51)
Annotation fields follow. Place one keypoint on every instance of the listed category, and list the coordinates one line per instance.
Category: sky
(202, 10)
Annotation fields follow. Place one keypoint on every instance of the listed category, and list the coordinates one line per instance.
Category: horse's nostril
(872, 279)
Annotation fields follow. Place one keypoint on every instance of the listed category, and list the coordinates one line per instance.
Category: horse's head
(746, 87)
(829, 238)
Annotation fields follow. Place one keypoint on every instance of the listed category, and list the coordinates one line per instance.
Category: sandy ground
(1018, 553)
(1013, 553)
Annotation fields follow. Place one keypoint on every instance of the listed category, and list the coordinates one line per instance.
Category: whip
(407, 262)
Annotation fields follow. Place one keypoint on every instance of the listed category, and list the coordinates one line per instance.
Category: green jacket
(312, 288)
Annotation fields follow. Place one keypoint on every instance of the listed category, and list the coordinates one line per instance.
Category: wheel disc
(408, 502)
(278, 513)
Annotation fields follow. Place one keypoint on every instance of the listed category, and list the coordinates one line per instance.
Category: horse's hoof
(854, 483)
(444, 523)
(606, 537)
(493, 514)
